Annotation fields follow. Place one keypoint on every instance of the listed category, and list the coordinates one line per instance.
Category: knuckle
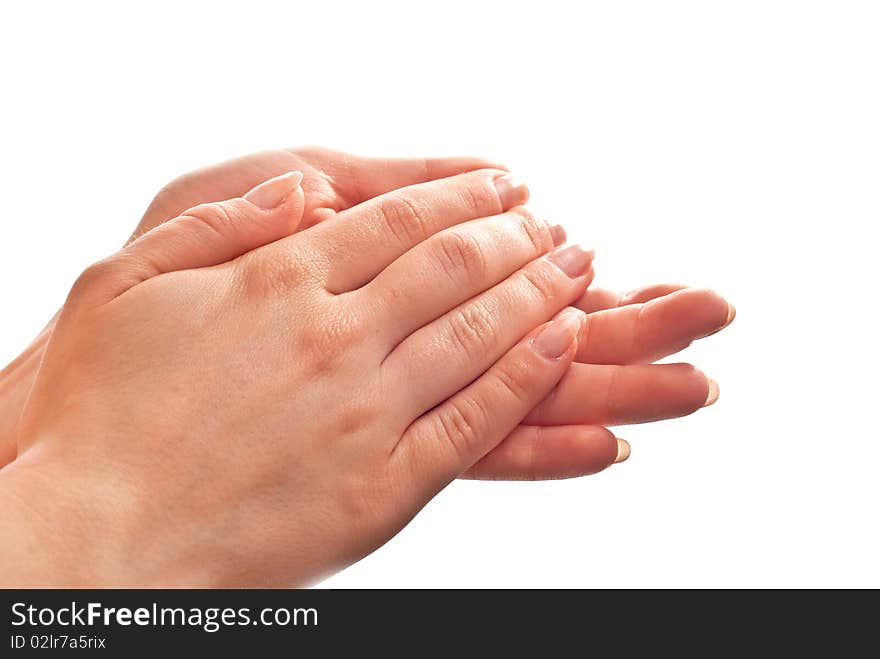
(405, 218)
(512, 380)
(360, 414)
(473, 199)
(471, 330)
(541, 281)
(483, 184)
(279, 272)
(533, 458)
(217, 217)
(461, 257)
(635, 331)
(462, 423)
(330, 341)
(366, 501)
(89, 278)
(479, 196)
(536, 230)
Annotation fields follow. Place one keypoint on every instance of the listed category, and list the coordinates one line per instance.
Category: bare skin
(332, 181)
(228, 402)
(658, 320)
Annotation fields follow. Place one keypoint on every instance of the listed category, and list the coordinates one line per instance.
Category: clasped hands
(297, 350)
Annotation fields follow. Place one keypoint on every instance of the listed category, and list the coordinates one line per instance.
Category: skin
(624, 329)
(332, 181)
(187, 411)
(162, 419)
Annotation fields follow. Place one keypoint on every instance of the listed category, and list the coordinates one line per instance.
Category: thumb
(203, 236)
(210, 234)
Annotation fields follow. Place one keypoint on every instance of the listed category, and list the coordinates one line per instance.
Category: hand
(613, 382)
(561, 440)
(224, 403)
(577, 445)
(333, 181)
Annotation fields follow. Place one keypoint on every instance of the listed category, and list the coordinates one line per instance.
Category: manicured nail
(558, 234)
(623, 450)
(272, 193)
(573, 260)
(714, 392)
(511, 191)
(731, 314)
(556, 338)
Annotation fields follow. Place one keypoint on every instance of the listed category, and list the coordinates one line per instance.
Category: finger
(333, 180)
(203, 236)
(544, 453)
(648, 293)
(449, 439)
(453, 266)
(449, 352)
(361, 242)
(591, 394)
(599, 299)
(643, 333)
(357, 178)
(229, 179)
(596, 299)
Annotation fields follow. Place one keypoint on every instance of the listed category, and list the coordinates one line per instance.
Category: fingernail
(731, 314)
(556, 338)
(714, 392)
(272, 193)
(511, 191)
(623, 450)
(573, 260)
(558, 234)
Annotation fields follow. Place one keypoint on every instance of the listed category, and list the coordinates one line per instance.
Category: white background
(733, 145)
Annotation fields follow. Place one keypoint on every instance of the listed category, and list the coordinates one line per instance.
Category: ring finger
(450, 352)
(608, 395)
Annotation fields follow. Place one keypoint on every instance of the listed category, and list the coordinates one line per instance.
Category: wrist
(39, 545)
(67, 524)
(16, 380)
(55, 531)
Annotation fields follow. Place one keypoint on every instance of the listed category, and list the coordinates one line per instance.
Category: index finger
(359, 178)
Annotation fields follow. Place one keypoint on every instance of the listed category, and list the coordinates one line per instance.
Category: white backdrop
(729, 145)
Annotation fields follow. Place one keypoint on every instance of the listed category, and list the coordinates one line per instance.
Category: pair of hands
(227, 401)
